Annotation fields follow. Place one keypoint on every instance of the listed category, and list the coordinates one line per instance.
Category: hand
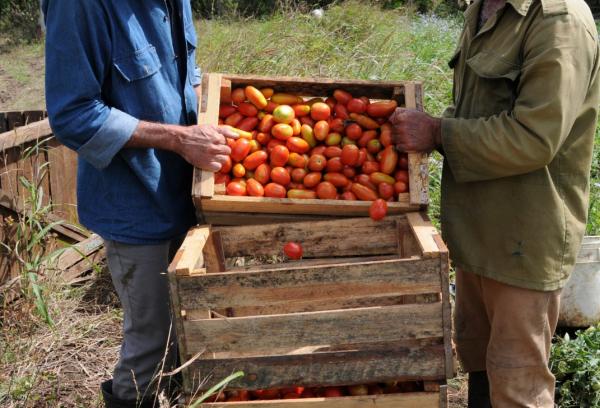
(205, 146)
(416, 131)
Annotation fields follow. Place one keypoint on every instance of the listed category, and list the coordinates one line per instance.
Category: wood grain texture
(293, 289)
(63, 180)
(418, 173)
(214, 259)
(191, 253)
(408, 400)
(446, 306)
(24, 134)
(424, 231)
(287, 333)
(328, 368)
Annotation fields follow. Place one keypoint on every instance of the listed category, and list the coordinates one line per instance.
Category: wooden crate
(368, 303)
(218, 208)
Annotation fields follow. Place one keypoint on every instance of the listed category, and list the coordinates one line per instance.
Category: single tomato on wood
(378, 209)
(293, 250)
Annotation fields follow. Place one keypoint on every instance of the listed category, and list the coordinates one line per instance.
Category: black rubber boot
(110, 401)
(479, 390)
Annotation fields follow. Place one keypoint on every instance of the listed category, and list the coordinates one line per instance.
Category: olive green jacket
(518, 141)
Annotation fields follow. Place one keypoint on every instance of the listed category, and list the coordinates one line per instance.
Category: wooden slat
(285, 333)
(418, 171)
(425, 232)
(408, 400)
(190, 255)
(177, 312)
(446, 306)
(63, 180)
(336, 238)
(24, 134)
(286, 286)
(214, 259)
(225, 90)
(244, 218)
(328, 368)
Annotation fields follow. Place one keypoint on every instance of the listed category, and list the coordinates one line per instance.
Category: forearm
(156, 135)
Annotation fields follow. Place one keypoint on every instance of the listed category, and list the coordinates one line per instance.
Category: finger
(221, 158)
(219, 150)
(212, 166)
(227, 131)
(397, 116)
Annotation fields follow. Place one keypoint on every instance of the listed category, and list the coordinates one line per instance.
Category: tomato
(385, 190)
(366, 100)
(337, 179)
(301, 194)
(254, 146)
(298, 145)
(254, 188)
(297, 160)
(280, 156)
(226, 110)
(356, 106)
(389, 160)
(401, 175)
(346, 142)
(295, 186)
(350, 155)
(262, 174)
(221, 178)
(320, 111)
(298, 175)
(238, 96)
(248, 124)
(317, 162)
(354, 131)
(307, 120)
(379, 177)
(403, 162)
(312, 179)
(335, 165)
(296, 127)
(301, 110)
(319, 150)
(342, 96)
(336, 125)
(364, 121)
(321, 130)
(234, 119)
(326, 191)
(348, 196)
(235, 188)
(263, 138)
(333, 392)
(362, 156)
(378, 210)
(307, 134)
(275, 190)
(271, 106)
(252, 161)
(369, 167)
(266, 123)
(340, 111)
(381, 109)
(365, 180)
(282, 131)
(280, 175)
(226, 167)
(386, 135)
(267, 92)
(366, 137)
(238, 170)
(333, 139)
(247, 109)
(284, 114)
(293, 250)
(400, 187)
(274, 143)
(364, 193)
(255, 97)
(333, 151)
(285, 99)
(240, 149)
(331, 102)
(269, 394)
(374, 146)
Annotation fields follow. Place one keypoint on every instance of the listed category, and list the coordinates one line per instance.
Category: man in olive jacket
(517, 143)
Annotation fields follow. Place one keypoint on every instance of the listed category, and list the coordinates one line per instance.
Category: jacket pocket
(490, 66)
(139, 65)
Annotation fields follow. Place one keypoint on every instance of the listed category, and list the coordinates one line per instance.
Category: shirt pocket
(495, 83)
(138, 81)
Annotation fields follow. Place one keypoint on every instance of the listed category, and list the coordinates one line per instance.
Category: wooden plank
(177, 312)
(79, 251)
(191, 251)
(327, 368)
(418, 173)
(63, 180)
(446, 306)
(285, 333)
(425, 232)
(285, 286)
(10, 172)
(408, 400)
(244, 218)
(24, 134)
(443, 396)
(214, 258)
(225, 91)
(334, 238)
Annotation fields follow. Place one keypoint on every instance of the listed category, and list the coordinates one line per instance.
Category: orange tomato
(301, 194)
(247, 109)
(279, 156)
(320, 111)
(342, 96)
(364, 121)
(283, 114)
(389, 160)
(317, 162)
(381, 109)
(282, 131)
(298, 145)
(364, 193)
(280, 175)
(266, 123)
(312, 179)
(226, 167)
(262, 174)
(263, 138)
(297, 160)
(386, 136)
(296, 127)
(356, 105)
(254, 146)
(335, 165)
(365, 180)
(378, 210)
(255, 97)
(234, 119)
(275, 190)
(321, 130)
(248, 124)
(267, 92)
(285, 99)
(326, 191)
(239, 170)
(226, 110)
(252, 161)
(350, 155)
(337, 179)
(301, 110)
(240, 149)
(293, 250)
(238, 96)
(235, 188)
(254, 188)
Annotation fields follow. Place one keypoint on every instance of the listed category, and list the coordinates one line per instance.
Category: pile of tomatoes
(317, 392)
(337, 148)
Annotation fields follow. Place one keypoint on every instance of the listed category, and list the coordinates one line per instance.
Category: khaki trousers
(507, 331)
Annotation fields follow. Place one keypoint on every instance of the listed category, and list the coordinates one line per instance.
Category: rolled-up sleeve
(78, 57)
(559, 57)
(197, 77)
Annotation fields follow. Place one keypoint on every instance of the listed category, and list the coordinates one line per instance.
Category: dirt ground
(22, 77)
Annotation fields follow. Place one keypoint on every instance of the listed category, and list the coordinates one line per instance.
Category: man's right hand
(204, 146)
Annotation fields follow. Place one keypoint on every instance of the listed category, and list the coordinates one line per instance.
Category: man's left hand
(416, 131)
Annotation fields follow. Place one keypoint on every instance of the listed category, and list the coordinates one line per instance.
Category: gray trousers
(139, 275)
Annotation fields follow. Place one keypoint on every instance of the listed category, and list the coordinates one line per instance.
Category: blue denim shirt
(110, 64)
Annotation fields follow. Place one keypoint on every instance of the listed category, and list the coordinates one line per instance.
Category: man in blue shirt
(120, 78)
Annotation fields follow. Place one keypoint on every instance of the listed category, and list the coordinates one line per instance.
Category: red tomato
(369, 167)
(279, 156)
(354, 131)
(226, 110)
(247, 109)
(364, 193)
(307, 120)
(235, 188)
(340, 111)
(378, 177)
(335, 165)
(337, 179)
(293, 250)
(402, 175)
(317, 162)
(336, 125)
(386, 191)
(333, 151)
(350, 155)
(263, 138)
(374, 146)
(366, 137)
(356, 105)
(266, 123)
(240, 149)
(389, 160)
(312, 179)
(331, 102)
(320, 111)
(378, 210)
(381, 109)
(333, 392)
(318, 150)
(400, 187)
(362, 156)
(291, 395)
(403, 162)
(342, 96)
(386, 134)
(297, 160)
(254, 188)
(301, 110)
(280, 175)
(234, 119)
(348, 195)
(326, 191)
(298, 175)
(298, 145)
(238, 96)
(275, 190)
(349, 172)
(255, 159)
(263, 173)
(274, 143)
(221, 178)
(226, 167)
(365, 180)
(271, 106)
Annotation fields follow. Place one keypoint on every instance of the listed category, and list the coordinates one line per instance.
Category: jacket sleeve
(78, 59)
(559, 59)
